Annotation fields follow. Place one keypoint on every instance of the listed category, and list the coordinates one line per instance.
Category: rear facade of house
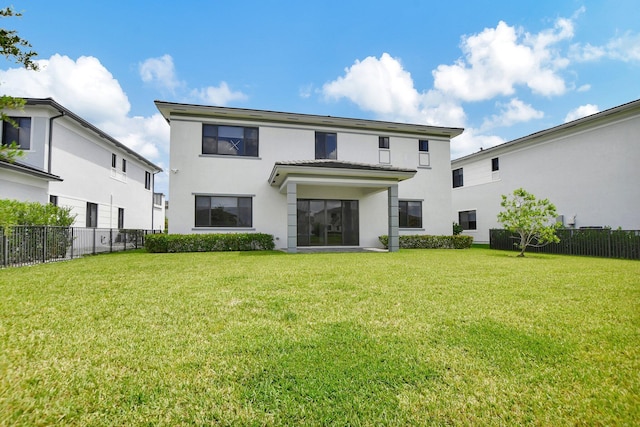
(588, 168)
(69, 162)
(310, 181)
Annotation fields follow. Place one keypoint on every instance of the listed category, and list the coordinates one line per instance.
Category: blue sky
(500, 69)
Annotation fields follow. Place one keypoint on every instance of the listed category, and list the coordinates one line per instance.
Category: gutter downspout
(51, 137)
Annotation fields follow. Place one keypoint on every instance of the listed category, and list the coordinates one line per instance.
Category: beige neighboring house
(589, 168)
(69, 162)
(310, 181)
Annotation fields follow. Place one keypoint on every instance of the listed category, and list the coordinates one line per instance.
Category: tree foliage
(15, 49)
(531, 219)
(13, 212)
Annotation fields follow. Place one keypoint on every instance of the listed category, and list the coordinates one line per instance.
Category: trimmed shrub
(209, 242)
(425, 241)
(14, 212)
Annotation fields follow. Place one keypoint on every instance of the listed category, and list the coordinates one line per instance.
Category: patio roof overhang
(337, 173)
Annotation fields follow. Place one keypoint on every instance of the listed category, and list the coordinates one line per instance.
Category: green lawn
(418, 337)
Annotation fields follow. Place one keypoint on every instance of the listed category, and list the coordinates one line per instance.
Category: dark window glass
(383, 142)
(230, 140)
(223, 211)
(326, 145)
(467, 220)
(21, 134)
(92, 215)
(495, 165)
(423, 145)
(53, 200)
(124, 165)
(457, 178)
(410, 214)
(120, 217)
(147, 180)
(113, 160)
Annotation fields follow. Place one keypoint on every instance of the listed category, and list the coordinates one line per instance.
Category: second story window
(230, 140)
(457, 178)
(20, 134)
(423, 145)
(114, 161)
(495, 164)
(383, 142)
(124, 165)
(326, 145)
(147, 180)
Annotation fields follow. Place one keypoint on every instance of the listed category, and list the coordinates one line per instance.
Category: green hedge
(418, 241)
(209, 242)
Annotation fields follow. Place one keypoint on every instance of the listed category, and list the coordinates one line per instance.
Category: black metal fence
(27, 245)
(590, 242)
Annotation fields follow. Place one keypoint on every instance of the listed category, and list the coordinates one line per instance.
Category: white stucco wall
(26, 188)
(588, 171)
(192, 173)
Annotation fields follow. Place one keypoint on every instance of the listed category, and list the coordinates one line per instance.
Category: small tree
(533, 220)
(14, 49)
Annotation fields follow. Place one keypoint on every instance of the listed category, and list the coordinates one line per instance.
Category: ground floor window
(328, 222)
(92, 215)
(223, 211)
(410, 213)
(120, 217)
(467, 220)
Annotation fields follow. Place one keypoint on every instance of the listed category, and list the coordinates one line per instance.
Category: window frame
(467, 223)
(114, 161)
(92, 215)
(403, 214)
(20, 132)
(423, 145)
(53, 200)
(198, 223)
(147, 180)
(120, 218)
(457, 176)
(495, 164)
(124, 165)
(383, 142)
(322, 145)
(211, 141)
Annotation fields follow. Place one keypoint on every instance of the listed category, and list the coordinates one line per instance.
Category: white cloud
(470, 141)
(625, 48)
(87, 88)
(580, 112)
(499, 59)
(385, 88)
(220, 95)
(584, 88)
(161, 72)
(515, 111)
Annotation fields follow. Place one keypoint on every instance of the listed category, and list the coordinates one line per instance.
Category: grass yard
(418, 337)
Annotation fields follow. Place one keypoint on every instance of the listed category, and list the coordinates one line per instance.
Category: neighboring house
(69, 162)
(589, 168)
(308, 180)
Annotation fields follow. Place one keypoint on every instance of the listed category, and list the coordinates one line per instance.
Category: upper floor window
(326, 145)
(467, 220)
(383, 142)
(147, 180)
(223, 211)
(457, 178)
(495, 164)
(20, 133)
(423, 145)
(114, 161)
(230, 140)
(124, 165)
(410, 213)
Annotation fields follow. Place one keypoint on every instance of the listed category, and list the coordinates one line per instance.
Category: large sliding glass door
(328, 222)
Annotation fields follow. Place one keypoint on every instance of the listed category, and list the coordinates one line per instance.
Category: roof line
(587, 119)
(52, 103)
(30, 170)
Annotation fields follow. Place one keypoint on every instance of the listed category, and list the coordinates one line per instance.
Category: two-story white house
(588, 168)
(69, 162)
(308, 180)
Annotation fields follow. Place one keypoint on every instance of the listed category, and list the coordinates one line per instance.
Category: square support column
(394, 219)
(292, 218)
